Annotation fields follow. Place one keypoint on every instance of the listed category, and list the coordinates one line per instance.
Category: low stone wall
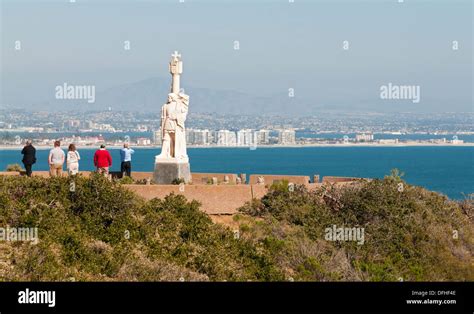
(197, 178)
(270, 179)
(214, 199)
(206, 178)
(136, 175)
(329, 179)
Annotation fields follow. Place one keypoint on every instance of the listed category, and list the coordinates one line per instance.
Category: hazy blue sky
(282, 45)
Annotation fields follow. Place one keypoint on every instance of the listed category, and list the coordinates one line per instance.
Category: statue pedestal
(168, 170)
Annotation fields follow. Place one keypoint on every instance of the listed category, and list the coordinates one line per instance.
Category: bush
(14, 167)
(410, 233)
(177, 181)
(100, 231)
(92, 229)
(126, 180)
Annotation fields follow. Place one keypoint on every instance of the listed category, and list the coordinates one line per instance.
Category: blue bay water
(449, 170)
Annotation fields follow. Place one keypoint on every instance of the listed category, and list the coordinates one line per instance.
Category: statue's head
(184, 98)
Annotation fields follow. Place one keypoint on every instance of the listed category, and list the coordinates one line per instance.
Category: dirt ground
(226, 220)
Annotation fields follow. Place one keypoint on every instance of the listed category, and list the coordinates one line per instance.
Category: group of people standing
(57, 157)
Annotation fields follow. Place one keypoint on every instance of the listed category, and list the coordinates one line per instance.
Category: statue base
(168, 171)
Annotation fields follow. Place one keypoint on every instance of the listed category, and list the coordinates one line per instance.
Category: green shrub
(14, 167)
(408, 232)
(126, 180)
(177, 181)
(100, 231)
(92, 229)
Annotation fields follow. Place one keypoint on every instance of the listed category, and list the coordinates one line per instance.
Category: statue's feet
(183, 159)
(159, 157)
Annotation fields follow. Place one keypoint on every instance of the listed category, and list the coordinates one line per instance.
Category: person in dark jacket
(29, 157)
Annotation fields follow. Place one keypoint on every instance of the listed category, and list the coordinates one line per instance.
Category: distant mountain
(150, 94)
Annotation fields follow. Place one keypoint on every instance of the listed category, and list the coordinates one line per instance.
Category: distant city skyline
(42, 122)
(301, 56)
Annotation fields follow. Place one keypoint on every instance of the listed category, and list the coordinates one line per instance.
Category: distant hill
(150, 94)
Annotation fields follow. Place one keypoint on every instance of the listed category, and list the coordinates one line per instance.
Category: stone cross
(176, 55)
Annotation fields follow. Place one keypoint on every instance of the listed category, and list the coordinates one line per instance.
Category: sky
(282, 46)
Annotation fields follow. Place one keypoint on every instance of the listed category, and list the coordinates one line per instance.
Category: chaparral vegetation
(96, 230)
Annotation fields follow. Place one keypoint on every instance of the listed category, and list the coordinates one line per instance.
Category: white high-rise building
(245, 137)
(226, 138)
(207, 137)
(143, 141)
(73, 123)
(364, 137)
(262, 137)
(287, 137)
(189, 133)
(201, 137)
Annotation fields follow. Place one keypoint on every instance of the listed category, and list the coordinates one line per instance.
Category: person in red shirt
(102, 160)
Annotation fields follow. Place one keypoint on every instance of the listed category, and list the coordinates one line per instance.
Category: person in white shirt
(72, 162)
(56, 160)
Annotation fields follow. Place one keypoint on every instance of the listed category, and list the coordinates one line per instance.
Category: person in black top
(29, 157)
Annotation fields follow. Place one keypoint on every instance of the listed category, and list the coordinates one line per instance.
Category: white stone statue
(173, 116)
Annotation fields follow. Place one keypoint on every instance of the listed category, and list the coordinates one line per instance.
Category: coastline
(408, 144)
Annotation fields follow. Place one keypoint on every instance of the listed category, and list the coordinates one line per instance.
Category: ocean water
(448, 170)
